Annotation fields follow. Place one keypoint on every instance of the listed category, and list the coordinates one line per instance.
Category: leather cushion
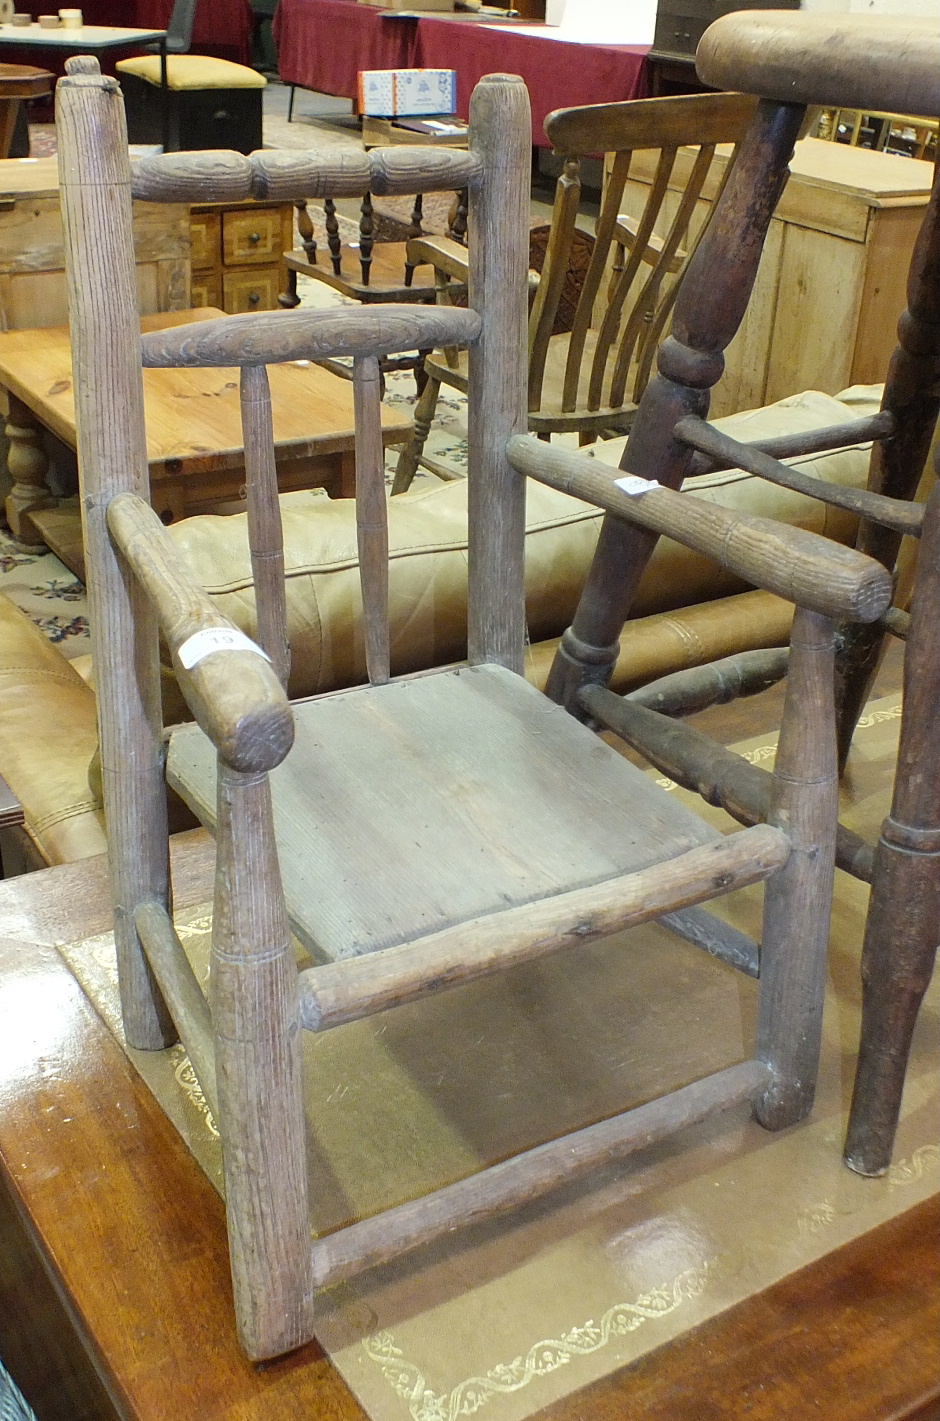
(428, 553)
(48, 735)
(193, 71)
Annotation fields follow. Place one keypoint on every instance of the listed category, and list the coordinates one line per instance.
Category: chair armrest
(234, 694)
(801, 566)
(443, 253)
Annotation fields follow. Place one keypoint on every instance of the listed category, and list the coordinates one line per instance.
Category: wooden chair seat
(403, 809)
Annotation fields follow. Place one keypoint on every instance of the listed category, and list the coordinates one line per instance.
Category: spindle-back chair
(881, 63)
(589, 376)
(416, 833)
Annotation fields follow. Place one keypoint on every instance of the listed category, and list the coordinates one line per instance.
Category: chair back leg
(112, 456)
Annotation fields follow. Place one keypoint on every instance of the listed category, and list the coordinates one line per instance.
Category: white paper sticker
(210, 639)
(633, 484)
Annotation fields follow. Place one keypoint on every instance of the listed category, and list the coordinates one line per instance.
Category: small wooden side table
(18, 82)
(194, 435)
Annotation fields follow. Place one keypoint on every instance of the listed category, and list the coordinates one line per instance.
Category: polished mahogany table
(115, 1299)
(322, 45)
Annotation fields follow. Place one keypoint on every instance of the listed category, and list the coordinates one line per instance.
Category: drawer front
(250, 290)
(205, 235)
(677, 33)
(251, 236)
(206, 289)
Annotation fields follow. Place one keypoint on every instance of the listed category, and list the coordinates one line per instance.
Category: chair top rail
(888, 62)
(805, 568)
(650, 123)
(271, 337)
(217, 175)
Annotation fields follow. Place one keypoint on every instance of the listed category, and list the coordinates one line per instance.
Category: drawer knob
(254, 298)
(255, 238)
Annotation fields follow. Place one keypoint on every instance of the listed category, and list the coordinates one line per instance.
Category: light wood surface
(86, 37)
(831, 284)
(194, 434)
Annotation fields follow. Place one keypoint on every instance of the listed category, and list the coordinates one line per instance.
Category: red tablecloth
(557, 74)
(322, 45)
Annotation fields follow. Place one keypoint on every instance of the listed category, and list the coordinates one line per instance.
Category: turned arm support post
(235, 695)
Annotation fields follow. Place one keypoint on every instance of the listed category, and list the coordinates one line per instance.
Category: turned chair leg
(903, 924)
(410, 456)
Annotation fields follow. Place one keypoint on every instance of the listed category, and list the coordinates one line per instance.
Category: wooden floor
(114, 1292)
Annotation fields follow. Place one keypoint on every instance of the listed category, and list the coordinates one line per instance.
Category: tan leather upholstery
(428, 549)
(194, 71)
(48, 736)
(47, 713)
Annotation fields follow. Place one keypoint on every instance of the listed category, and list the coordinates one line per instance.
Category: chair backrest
(179, 31)
(632, 278)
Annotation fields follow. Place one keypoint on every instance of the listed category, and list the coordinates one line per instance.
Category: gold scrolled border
(542, 1358)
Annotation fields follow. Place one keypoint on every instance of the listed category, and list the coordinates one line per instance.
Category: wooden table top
(193, 416)
(24, 81)
(134, 1238)
(84, 37)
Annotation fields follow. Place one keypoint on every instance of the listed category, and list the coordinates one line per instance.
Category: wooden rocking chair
(415, 833)
(879, 61)
(588, 375)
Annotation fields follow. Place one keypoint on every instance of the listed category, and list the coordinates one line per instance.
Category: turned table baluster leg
(29, 467)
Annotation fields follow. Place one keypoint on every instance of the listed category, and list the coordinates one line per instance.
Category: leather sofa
(688, 610)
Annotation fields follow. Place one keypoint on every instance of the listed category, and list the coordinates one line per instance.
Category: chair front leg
(256, 1021)
(410, 456)
(798, 898)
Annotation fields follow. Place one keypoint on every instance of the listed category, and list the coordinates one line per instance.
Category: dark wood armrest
(234, 694)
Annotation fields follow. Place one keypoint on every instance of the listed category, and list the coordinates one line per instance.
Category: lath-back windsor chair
(589, 378)
(416, 833)
(803, 60)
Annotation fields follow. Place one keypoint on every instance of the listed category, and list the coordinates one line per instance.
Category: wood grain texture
(729, 453)
(709, 308)
(703, 765)
(408, 808)
(270, 337)
(791, 562)
(230, 177)
(109, 414)
(265, 535)
(798, 899)
(900, 948)
(499, 262)
(827, 59)
(253, 994)
(235, 695)
(372, 516)
(358, 987)
(814, 441)
(182, 992)
(528, 1176)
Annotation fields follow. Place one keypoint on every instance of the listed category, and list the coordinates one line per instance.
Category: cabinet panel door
(205, 235)
(817, 313)
(252, 235)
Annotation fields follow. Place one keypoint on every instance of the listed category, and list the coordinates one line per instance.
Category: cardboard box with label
(395, 93)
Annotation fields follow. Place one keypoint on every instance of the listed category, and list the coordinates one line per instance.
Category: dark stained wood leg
(912, 394)
(903, 925)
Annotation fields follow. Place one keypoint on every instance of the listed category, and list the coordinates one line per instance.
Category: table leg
(29, 467)
(9, 108)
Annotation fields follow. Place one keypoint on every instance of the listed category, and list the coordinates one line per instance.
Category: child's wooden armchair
(420, 832)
